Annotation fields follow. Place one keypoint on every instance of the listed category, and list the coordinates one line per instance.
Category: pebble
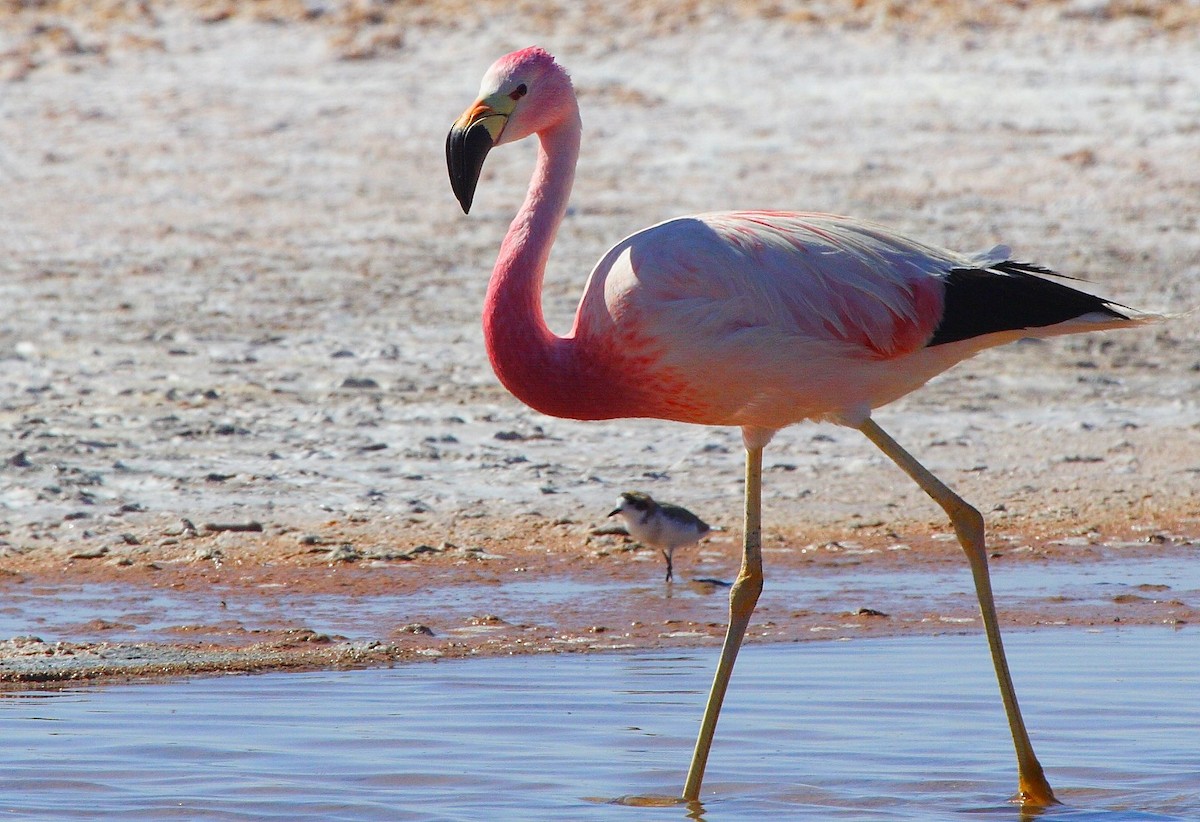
(240, 527)
(88, 553)
(344, 553)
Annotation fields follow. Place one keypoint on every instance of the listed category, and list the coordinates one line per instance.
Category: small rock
(207, 554)
(344, 553)
(390, 556)
(228, 430)
(185, 527)
(240, 527)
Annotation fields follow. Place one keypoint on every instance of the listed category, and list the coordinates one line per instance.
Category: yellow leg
(1033, 789)
(742, 599)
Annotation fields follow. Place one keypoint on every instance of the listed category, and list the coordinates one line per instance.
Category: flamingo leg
(1033, 789)
(743, 596)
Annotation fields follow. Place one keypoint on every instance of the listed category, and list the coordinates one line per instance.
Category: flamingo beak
(470, 139)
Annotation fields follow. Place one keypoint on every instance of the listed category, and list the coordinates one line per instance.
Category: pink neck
(555, 375)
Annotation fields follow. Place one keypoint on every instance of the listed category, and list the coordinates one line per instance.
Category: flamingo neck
(552, 374)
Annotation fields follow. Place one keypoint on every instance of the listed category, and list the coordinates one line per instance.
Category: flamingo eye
(519, 92)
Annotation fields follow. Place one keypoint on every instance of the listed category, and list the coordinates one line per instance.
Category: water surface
(896, 729)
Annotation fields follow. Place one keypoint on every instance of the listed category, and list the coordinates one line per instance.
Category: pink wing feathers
(819, 278)
(765, 318)
(839, 279)
(753, 315)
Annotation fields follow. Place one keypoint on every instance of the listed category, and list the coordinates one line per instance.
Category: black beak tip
(466, 149)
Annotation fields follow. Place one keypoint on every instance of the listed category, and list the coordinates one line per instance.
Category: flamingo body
(759, 320)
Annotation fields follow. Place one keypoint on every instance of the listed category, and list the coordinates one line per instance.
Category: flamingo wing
(816, 279)
(765, 318)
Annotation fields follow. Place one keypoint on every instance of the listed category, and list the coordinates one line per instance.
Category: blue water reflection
(894, 729)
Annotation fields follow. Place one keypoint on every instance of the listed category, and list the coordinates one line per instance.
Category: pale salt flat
(211, 248)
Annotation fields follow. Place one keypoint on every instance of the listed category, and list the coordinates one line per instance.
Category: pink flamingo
(756, 319)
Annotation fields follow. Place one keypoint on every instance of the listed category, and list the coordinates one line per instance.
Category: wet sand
(262, 608)
(241, 347)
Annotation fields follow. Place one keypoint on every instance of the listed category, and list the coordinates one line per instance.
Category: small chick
(659, 525)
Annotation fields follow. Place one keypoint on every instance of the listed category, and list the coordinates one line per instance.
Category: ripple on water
(896, 729)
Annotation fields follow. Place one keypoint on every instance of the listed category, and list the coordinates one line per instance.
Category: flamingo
(755, 319)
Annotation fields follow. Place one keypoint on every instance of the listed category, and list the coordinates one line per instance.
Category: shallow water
(865, 729)
(110, 613)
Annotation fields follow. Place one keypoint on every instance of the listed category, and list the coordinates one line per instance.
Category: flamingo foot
(1033, 791)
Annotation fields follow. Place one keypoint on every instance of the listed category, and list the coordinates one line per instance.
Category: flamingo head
(522, 93)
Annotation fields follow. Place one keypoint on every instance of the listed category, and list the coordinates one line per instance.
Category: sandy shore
(240, 331)
(268, 606)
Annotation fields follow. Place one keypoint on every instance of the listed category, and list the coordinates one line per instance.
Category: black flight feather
(1010, 296)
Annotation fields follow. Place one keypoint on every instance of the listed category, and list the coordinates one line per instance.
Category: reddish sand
(640, 611)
